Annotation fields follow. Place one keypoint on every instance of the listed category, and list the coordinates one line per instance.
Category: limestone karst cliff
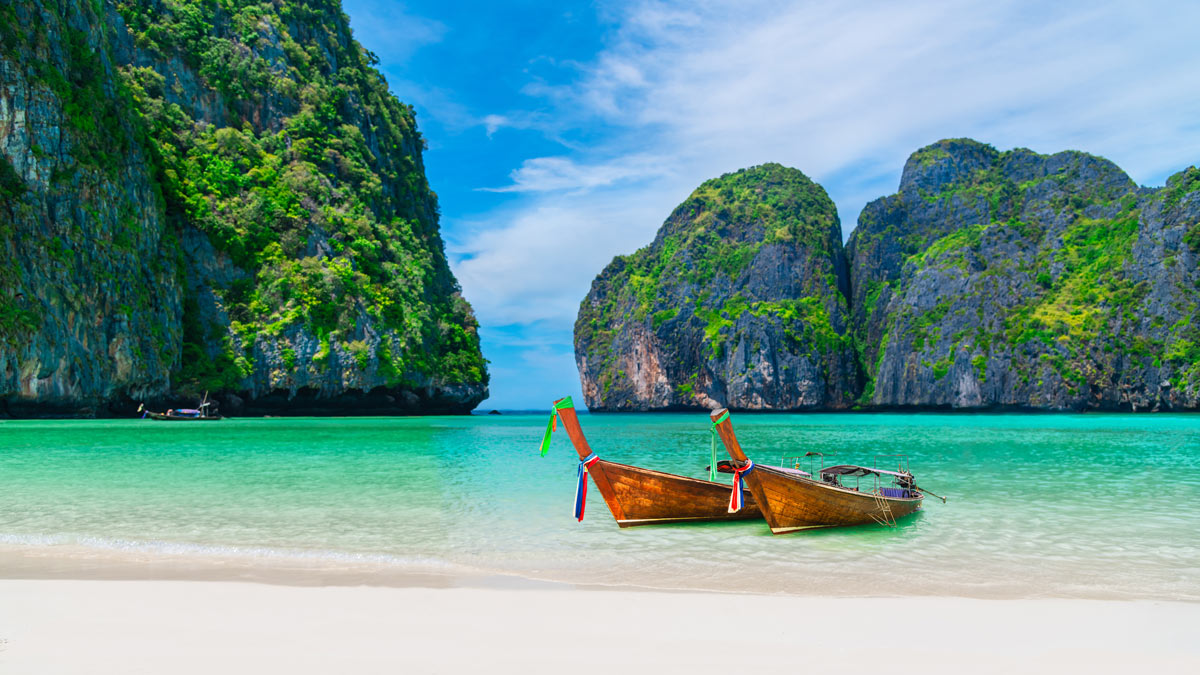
(217, 196)
(990, 280)
(740, 300)
(1014, 279)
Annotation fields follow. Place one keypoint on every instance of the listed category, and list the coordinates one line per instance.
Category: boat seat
(897, 493)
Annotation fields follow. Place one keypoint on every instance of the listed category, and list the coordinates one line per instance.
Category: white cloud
(536, 264)
(544, 174)
(493, 123)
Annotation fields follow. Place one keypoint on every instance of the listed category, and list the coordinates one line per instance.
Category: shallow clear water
(1039, 505)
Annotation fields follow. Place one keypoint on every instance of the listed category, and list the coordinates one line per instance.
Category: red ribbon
(736, 499)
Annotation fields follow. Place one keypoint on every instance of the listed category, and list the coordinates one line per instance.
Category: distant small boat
(638, 496)
(793, 500)
(201, 414)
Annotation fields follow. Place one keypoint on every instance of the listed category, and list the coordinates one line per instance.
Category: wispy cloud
(377, 24)
(535, 264)
(493, 123)
(546, 174)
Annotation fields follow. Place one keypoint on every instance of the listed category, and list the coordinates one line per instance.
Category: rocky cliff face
(740, 300)
(1015, 279)
(90, 295)
(217, 196)
(990, 280)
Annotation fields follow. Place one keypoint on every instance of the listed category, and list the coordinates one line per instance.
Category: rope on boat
(736, 499)
(581, 486)
(712, 462)
(552, 425)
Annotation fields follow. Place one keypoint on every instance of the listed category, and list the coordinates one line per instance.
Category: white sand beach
(157, 626)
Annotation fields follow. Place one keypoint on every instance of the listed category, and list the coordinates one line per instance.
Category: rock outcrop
(217, 196)
(990, 280)
(740, 299)
(90, 298)
(1013, 279)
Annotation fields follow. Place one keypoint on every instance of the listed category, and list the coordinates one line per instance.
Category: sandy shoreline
(105, 626)
(77, 610)
(137, 562)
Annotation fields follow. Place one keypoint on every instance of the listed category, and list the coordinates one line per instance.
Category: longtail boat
(201, 414)
(793, 500)
(638, 496)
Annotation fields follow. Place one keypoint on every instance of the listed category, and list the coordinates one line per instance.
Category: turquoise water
(1039, 505)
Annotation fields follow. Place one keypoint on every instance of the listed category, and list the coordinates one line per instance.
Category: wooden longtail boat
(793, 500)
(182, 414)
(638, 496)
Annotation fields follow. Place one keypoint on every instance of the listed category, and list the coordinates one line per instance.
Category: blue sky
(562, 134)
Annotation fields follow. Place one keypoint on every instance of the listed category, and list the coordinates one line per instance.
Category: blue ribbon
(581, 486)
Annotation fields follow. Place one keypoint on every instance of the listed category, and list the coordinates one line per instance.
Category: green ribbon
(712, 462)
(562, 404)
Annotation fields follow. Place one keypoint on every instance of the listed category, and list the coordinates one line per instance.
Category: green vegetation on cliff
(11, 186)
(74, 229)
(750, 260)
(991, 279)
(327, 206)
(217, 194)
(719, 230)
(1043, 270)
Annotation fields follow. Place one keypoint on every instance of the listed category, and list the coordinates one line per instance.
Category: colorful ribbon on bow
(736, 500)
(581, 487)
(712, 462)
(561, 404)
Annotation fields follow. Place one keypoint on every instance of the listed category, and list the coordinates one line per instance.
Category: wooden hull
(646, 497)
(793, 503)
(637, 496)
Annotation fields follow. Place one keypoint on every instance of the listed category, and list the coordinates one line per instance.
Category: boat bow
(638, 496)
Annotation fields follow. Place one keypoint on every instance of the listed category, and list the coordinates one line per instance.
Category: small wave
(175, 548)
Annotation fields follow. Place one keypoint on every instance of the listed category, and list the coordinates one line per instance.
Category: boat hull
(792, 504)
(638, 496)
